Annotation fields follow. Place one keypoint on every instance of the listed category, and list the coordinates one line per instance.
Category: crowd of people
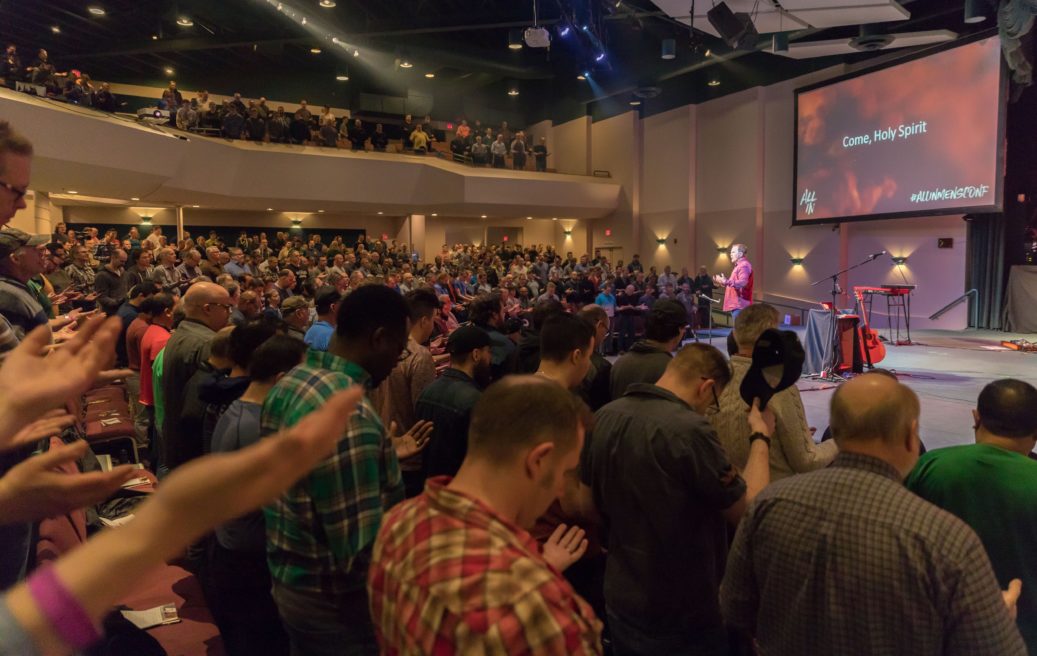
(438, 457)
(255, 120)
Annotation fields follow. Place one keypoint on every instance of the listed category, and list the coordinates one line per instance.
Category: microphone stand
(831, 361)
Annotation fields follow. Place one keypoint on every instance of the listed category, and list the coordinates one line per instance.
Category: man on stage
(738, 294)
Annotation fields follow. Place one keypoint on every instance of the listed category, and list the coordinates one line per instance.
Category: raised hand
(51, 424)
(413, 441)
(33, 490)
(566, 545)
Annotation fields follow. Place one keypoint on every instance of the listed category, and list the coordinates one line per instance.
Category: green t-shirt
(995, 492)
(156, 388)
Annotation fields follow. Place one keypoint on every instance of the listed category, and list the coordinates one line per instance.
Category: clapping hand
(413, 441)
(720, 279)
(565, 547)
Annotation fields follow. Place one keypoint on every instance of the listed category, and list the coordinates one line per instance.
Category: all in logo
(807, 201)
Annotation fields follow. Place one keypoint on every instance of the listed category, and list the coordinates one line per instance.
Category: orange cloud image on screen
(919, 136)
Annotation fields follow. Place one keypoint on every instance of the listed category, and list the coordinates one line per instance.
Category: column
(43, 214)
(417, 236)
(179, 223)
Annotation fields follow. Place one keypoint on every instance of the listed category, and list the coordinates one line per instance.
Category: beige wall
(668, 188)
(572, 146)
(616, 148)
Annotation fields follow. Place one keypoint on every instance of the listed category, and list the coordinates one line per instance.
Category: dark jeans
(238, 593)
(625, 323)
(541, 164)
(628, 640)
(325, 626)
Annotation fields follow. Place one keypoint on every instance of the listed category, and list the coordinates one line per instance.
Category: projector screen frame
(1002, 94)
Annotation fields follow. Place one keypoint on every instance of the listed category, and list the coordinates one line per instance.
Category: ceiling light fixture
(196, 206)
(320, 211)
(780, 42)
(72, 191)
(380, 213)
(342, 77)
(430, 75)
(154, 37)
(269, 209)
(134, 198)
(708, 53)
(635, 102)
(55, 29)
(434, 214)
(304, 20)
(356, 53)
(482, 216)
(314, 51)
(169, 71)
(184, 21)
(974, 12)
(581, 77)
(713, 82)
(515, 39)
(406, 64)
(554, 218)
(669, 49)
(513, 92)
(529, 218)
(327, 4)
(96, 10)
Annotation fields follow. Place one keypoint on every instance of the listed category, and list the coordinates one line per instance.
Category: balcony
(104, 155)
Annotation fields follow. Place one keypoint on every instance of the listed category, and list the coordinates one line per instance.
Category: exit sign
(505, 238)
(608, 232)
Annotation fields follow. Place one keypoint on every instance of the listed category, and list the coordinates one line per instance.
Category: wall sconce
(145, 220)
(796, 261)
(296, 223)
(723, 249)
(660, 240)
(899, 260)
(568, 232)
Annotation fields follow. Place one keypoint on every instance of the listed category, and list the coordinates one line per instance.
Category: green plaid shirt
(320, 532)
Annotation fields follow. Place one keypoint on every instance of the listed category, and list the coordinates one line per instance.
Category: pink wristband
(61, 609)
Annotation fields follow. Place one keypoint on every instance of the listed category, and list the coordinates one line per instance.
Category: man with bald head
(846, 560)
(992, 486)
(207, 307)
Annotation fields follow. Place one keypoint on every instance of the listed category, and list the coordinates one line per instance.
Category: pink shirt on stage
(739, 287)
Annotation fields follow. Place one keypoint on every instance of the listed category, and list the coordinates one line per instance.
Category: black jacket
(448, 404)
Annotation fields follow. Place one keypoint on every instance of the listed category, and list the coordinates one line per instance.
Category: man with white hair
(189, 269)
(165, 271)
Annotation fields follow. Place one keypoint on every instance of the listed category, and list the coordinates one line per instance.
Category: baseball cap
(777, 364)
(11, 239)
(466, 339)
(293, 303)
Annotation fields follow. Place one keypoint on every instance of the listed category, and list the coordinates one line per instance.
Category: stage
(947, 369)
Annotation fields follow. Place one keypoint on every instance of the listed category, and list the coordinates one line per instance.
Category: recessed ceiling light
(342, 78)
(184, 21)
(55, 29)
(554, 218)
(269, 209)
(379, 213)
(304, 20)
(327, 4)
(72, 191)
(315, 51)
(169, 71)
(714, 82)
(529, 218)
(513, 92)
(356, 53)
(434, 214)
(196, 206)
(430, 75)
(482, 216)
(581, 77)
(320, 211)
(154, 37)
(96, 10)
(634, 102)
(134, 198)
(406, 64)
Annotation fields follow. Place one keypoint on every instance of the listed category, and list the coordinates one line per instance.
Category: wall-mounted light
(296, 223)
(723, 249)
(660, 240)
(899, 260)
(796, 261)
(145, 220)
(568, 232)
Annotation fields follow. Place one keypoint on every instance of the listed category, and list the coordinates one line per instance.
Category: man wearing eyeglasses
(666, 491)
(207, 308)
(15, 165)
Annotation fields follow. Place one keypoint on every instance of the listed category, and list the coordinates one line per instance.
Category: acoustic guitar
(874, 349)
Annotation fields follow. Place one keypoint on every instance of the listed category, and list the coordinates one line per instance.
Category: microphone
(874, 255)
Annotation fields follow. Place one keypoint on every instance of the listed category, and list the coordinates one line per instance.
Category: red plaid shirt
(450, 576)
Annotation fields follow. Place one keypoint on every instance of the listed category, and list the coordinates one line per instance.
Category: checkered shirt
(847, 561)
(320, 531)
(450, 576)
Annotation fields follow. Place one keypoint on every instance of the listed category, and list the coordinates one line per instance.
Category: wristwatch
(759, 436)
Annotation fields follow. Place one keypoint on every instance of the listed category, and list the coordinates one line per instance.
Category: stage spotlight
(184, 21)
(515, 39)
(327, 4)
(974, 12)
(669, 49)
(714, 81)
(780, 42)
(55, 29)
(581, 77)
(356, 53)
(600, 57)
(564, 31)
(584, 28)
(169, 71)
(96, 10)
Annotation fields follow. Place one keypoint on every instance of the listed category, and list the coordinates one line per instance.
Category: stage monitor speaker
(736, 29)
